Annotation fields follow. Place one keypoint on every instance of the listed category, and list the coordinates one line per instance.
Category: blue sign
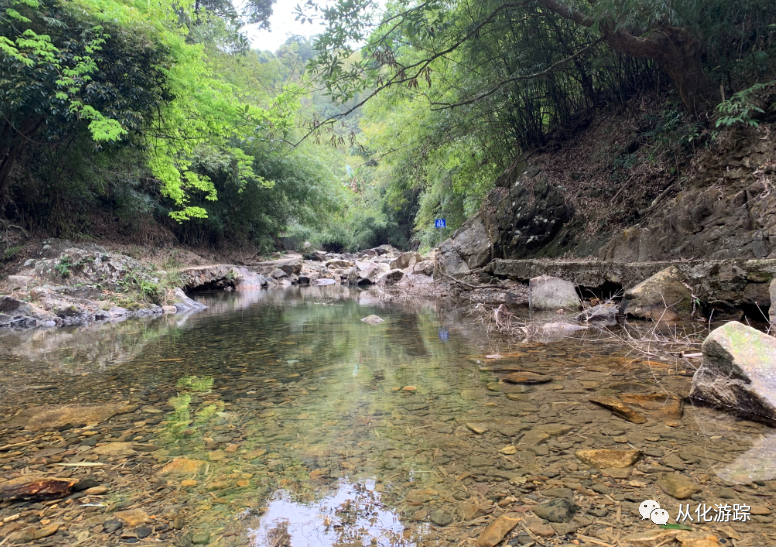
(444, 335)
(440, 223)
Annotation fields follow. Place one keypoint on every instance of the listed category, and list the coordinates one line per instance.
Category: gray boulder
(468, 248)
(390, 277)
(318, 256)
(183, 303)
(406, 260)
(547, 293)
(14, 307)
(772, 312)
(738, 372)
(367, 273)
(339, 263)
(278, 274)
(292, 267)
(425, 267)
(602, 312)
(664, 296)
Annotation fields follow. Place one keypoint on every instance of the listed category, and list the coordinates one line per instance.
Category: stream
(280, 418)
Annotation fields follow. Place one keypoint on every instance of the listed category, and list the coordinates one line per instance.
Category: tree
(248, 12)
(670, 33)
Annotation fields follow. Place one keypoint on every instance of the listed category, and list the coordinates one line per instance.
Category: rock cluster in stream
(76, 284)
(384, 265)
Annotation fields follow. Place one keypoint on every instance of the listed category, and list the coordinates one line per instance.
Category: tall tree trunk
(675, 48)
(679, 53)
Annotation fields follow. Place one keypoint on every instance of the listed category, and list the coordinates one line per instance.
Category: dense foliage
(137, 110)
(457, 91)
(139, 115)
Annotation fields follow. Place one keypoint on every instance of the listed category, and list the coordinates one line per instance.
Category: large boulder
(292, 267)
(318, 256)
(390, 277)
(468, 248)
(664, 296)
(552, 293)
(13, 306)
(185, 304)
(773, 302)
(738, 372)
(406, 260)
(339, 263)
(367, 273)
(425, 267)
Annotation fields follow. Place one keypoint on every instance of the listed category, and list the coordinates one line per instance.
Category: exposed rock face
(738, 372)
(703, 223)
(220, 276)
(524, 215)
(558, 510)
(518, 218)
(664, 296)
(468, 247)
(552, 293)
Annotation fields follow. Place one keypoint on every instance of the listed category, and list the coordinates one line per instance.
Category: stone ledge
(735, 281)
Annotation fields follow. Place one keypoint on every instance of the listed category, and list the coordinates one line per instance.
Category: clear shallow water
(297, 424)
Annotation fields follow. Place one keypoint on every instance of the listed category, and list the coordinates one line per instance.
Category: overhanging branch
(502, 83)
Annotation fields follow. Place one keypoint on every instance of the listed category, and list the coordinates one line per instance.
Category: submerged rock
(664, 296)
(373, 319)
(527, 378)
(552, 293)
(496, 531)
(183, 466)
(52, 416)
(620, 409)
(678, 486)
(36, 488)
(605, 459)
(738, 372)
(557, 510)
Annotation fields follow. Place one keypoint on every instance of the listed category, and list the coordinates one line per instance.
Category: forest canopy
(141, 115)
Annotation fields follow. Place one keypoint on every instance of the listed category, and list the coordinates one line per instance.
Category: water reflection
(352, 515)
(334, 432)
